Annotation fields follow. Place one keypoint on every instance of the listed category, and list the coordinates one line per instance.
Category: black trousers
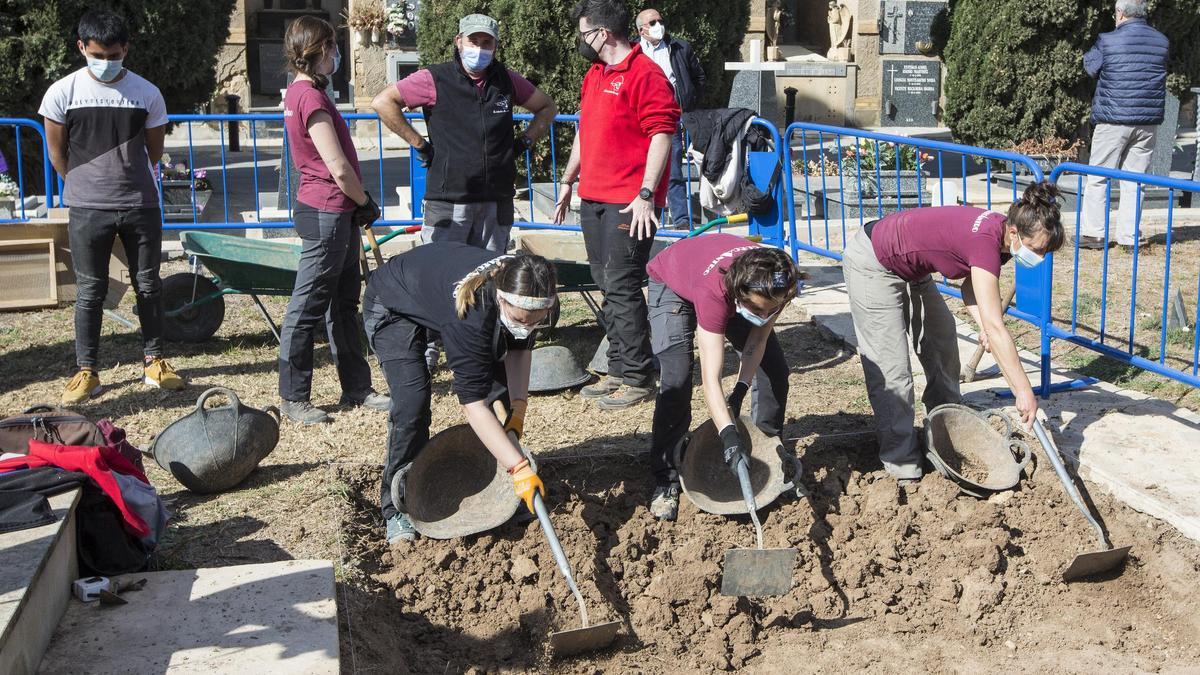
(673, 327)
(618, 264)
(92, 234)
(399, 343)
(328, 283)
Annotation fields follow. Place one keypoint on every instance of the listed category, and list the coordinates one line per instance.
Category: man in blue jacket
(683, 69)
(1131, 64)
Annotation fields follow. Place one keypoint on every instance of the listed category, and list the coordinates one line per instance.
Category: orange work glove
(525, 482)
(515, 422)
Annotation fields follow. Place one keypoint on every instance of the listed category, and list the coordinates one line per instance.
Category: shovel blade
(1087, 564)
(758, 573)
(579, 640)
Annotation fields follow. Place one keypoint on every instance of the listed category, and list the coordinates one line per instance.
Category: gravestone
(1164, 140)
(755, 89)
(910, 93)
(905, 26)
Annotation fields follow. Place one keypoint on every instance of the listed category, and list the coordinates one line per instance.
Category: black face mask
(587, 51)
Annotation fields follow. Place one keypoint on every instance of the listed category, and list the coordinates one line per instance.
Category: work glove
(425, 154)
(526, 482)
(735, 398)
(366, 214)
(521, 143)
(515, 422)
(733, 447)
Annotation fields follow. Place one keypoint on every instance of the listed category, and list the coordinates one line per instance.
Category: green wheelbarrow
(194, 304)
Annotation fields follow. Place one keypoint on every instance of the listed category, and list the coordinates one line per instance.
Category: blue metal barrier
(1189, 370)
(18, 163)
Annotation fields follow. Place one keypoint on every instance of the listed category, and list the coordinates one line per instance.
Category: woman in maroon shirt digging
(889, 266)
(331, 206)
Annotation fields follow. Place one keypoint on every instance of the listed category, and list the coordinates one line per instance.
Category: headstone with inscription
(905, 26)
(911, 89)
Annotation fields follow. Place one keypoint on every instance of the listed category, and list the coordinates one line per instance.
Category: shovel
(969, 372)
(566, 642)
(587, 638)
(1084, 564)
(756, 572)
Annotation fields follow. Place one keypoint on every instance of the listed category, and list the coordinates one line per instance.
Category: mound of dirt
(912, 561)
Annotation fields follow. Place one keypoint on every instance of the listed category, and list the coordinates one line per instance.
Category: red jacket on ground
(621, 107)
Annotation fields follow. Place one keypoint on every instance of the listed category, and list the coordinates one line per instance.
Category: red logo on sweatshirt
(614, 87)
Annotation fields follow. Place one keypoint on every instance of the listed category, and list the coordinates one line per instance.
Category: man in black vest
(472, 148)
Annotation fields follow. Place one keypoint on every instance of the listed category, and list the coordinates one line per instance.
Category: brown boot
(604, 387)
(625, 397)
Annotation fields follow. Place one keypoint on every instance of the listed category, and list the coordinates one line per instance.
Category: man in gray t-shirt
(105, 127)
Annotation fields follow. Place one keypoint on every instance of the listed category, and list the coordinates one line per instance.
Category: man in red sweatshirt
(627, 113)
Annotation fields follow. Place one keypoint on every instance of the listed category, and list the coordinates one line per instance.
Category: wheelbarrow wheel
(185, 320)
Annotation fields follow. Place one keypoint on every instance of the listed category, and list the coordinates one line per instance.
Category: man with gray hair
(1131, 66)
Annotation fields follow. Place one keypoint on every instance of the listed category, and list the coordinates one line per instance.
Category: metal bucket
(554, 368)
(214, 449)
(712, 487)
(962, 445)
(455, 487)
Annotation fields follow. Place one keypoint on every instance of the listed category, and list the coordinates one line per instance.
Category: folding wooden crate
(27, 274)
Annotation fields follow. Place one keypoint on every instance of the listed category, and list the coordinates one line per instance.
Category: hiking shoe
(664, 505)
(400, 528)
(303, 412)
(160, 375)
(604, 387)
(373, 400)
(1094, 243)
(625, 397)
(83, 386)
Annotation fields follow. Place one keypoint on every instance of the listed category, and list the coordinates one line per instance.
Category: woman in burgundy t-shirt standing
(331, 206)
(889, 266)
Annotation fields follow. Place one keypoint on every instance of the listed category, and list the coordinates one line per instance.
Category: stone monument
(839, 19)
(754, 84)
(774, 19)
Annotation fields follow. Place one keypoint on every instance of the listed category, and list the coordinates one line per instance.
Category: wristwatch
(645, 194)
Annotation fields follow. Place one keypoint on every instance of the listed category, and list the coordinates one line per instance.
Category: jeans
(673, 329)
(92, 234)
(618, 265)
(400, 345)
(483, 224)
(887, 312)
(678, 187)
(328, 282)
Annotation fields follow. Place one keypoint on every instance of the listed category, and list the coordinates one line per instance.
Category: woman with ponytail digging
(331, 206)
(488, 309)
(889, 266)
(710, 289)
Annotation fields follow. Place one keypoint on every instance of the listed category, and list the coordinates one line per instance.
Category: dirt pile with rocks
(913, 561)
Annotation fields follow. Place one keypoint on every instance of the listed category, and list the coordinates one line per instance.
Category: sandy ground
(886, 580)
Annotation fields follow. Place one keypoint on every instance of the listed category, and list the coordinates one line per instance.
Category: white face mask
(517, 330)
(105, 71)
(1025, 257)
(658, 31)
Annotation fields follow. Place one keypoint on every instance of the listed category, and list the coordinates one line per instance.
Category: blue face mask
(1025, 257)
(105, 71)
(476, 59)
(754, 319)
(337, 59)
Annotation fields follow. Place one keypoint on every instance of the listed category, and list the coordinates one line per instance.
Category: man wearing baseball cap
(472, 150)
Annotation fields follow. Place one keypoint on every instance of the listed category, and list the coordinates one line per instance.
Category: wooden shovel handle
(969, 370)
(374, 247)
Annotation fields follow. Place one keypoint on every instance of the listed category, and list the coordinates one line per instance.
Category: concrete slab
(1141, 449)
(37, 567)
(267, 618)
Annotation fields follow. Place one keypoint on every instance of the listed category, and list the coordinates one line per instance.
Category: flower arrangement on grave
(8, 187)
(401, 18)
(181, 172)
(869, 154)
